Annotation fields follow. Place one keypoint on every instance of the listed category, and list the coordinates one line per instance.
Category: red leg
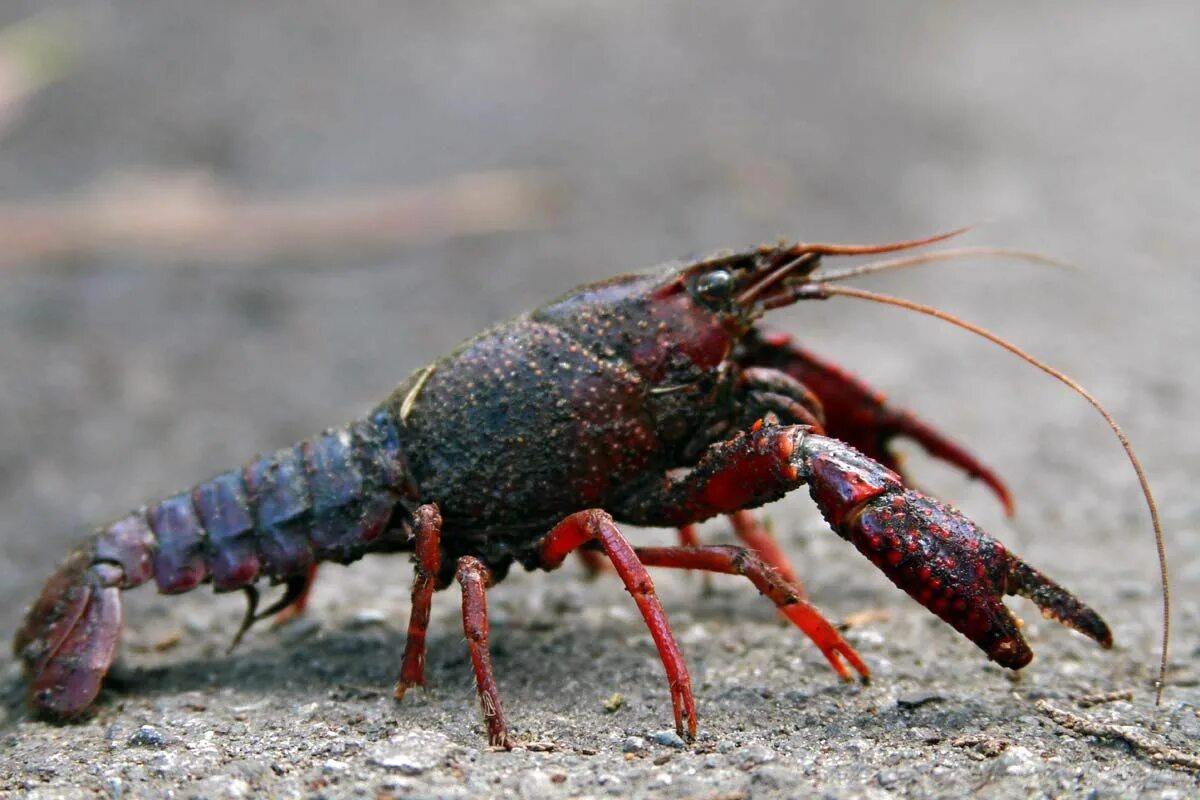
(598, 525)
(925, 547)
(428, 558)
(860, 416)
(300, 603)
(474, 578)
(758, 538)
(733, 560)
(594, 562)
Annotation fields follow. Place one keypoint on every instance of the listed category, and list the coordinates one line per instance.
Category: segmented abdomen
(325, 499)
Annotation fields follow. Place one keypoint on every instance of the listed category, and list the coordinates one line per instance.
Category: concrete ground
(671, 129)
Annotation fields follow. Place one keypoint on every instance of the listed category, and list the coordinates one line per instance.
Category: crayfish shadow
(12, 701)
(273, 663)
(356, 664)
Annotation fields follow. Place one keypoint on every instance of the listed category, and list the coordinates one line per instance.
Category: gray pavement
(1068, 128)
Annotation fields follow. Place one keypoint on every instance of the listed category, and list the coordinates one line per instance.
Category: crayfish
(652, 399)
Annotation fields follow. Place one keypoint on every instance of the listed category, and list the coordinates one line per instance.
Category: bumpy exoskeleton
(650, 399)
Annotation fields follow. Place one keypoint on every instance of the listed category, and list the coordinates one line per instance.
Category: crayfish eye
(715, 287)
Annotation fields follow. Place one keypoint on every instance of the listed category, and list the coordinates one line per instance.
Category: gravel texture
(673, 128)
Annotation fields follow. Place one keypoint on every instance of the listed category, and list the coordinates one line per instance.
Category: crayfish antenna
(821, 291)
(821, 249)
(952, 254)
(804, 257)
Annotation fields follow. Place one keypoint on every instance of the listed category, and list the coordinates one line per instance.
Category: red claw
(936, 555)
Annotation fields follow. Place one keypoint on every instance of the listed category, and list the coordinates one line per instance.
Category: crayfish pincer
(651, 399)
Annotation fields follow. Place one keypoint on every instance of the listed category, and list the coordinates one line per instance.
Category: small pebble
(633, 744)
(535, 785)
(299, 629)
(368, 617)
(147, 736)
(403, 764)
(1018, 761)
(754, 755)
(667, 739)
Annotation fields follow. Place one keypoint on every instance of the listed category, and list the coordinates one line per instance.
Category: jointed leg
(766, 390)
(925, 547)
(688, 538)
(859, 415)
(734, 560)
(758, 538)
(598, 525)
(296, 602)
(295, 591)
(474, 578)
(428, 558)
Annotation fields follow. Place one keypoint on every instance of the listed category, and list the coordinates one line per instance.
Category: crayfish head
(677, 322)
(741, 286)
(737, 288)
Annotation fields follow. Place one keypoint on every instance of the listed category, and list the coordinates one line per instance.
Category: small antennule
(809, 253)
(940, 255)
(822, 291)
(800, 248)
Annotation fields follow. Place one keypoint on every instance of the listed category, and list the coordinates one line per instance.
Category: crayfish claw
(950, 566)
(946, 564)
(1056, 602)
(938, 556)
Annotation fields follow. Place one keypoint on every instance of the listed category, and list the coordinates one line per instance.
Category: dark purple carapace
(650, 399)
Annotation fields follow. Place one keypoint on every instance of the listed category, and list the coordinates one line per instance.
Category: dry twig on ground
(187, 217)
(1143, 744)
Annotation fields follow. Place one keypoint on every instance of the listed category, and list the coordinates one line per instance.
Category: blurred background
(225, 226)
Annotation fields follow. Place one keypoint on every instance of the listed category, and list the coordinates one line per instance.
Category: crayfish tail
(69, 637)
(331, 498)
